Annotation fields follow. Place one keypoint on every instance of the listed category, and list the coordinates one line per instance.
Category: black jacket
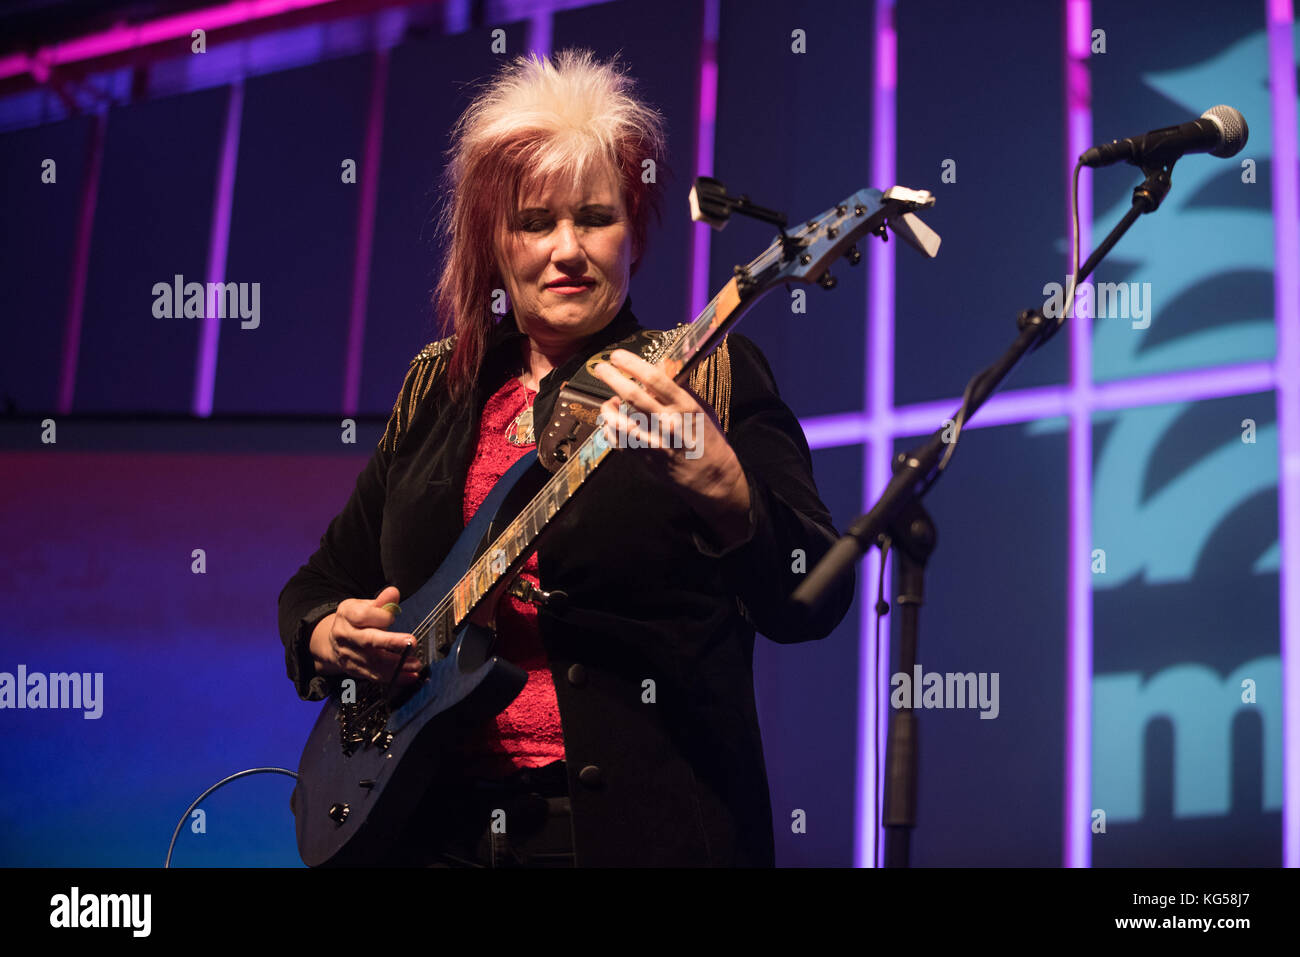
(682, 780)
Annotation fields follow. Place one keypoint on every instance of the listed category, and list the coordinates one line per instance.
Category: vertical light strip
(1076, 833)
(205, 373)
(372, 155)
(81, 263)
(878, 396)
(455, 16)
(706, 111)
(1286, 298)
(540, 28)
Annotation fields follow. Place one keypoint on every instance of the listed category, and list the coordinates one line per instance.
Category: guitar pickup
(573, 421)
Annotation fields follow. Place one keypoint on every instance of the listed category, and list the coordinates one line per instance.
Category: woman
(635, 740)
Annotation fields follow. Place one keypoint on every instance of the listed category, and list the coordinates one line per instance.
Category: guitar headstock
(807, 253)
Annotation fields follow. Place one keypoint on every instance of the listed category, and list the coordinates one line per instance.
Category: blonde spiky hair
(537, 121)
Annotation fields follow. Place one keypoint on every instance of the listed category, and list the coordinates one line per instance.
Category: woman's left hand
(678, 440)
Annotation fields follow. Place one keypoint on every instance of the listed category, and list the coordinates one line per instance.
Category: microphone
(1221, 131)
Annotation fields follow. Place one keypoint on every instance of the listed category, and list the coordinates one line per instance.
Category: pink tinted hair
(536, 122)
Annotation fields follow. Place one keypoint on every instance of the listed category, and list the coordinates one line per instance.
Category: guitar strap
(578, 404)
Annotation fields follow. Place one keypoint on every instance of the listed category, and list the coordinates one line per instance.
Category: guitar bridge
(365, 721)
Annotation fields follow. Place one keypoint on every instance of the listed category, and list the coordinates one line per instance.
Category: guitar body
(350, 809)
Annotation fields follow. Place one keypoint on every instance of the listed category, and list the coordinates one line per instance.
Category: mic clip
(1151, 192)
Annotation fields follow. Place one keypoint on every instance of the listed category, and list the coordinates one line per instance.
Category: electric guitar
(375, 750)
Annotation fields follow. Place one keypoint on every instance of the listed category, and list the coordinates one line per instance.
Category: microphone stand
(899, 519)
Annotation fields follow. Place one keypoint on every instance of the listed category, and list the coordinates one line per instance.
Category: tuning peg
(827, 281)
(854, 255)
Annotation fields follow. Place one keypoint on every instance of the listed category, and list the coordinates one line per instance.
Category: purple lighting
(1286, 297)
(851, 428)
(1077, 850)
(365, 232)
(879, 398)
(706, 110)
(541, 24)
(205, 373)
(80, 264)
(1027, 405)
(124, 37)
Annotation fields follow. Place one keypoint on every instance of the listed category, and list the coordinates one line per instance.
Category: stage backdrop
(1109, 569)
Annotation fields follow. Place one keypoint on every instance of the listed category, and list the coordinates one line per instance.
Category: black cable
(1068, 305)
(199, 800)
(882, 609)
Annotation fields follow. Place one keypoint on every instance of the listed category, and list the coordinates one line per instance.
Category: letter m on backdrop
(1201, 707)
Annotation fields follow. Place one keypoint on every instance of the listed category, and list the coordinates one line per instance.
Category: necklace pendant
(520, 431)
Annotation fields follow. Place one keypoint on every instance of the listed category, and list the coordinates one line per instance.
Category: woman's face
(566, 257)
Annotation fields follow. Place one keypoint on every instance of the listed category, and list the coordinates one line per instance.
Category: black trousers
(521, 821)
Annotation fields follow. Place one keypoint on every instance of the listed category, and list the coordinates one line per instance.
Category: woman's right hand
(352, 641)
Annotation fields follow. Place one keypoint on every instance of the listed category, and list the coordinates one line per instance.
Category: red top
(527, 734)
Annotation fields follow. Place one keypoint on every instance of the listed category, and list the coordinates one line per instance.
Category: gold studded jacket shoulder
(652, 654)
(425, 368)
